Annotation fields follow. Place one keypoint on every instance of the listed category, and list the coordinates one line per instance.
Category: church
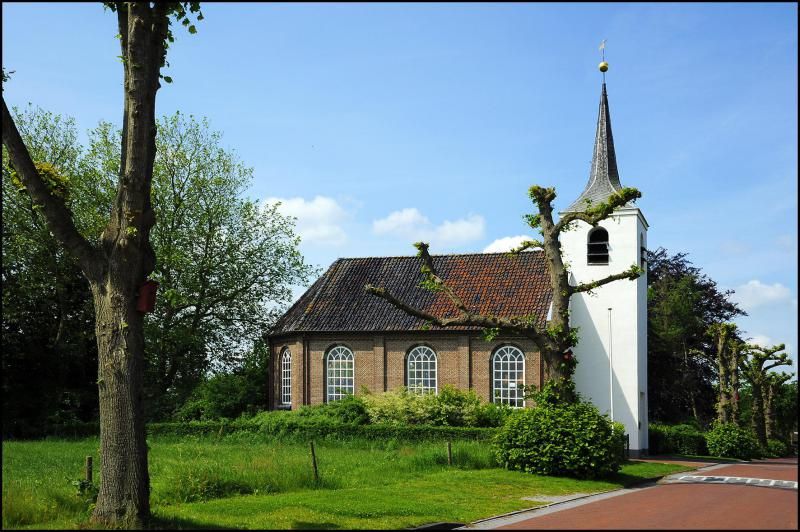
(338, 339)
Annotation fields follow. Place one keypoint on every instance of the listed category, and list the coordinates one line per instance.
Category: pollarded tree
(557, 337)
(772, 388)
(117, 267)
(729, 354)
(754, 368)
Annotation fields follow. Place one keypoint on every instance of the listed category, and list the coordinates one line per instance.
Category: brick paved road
(681, 506)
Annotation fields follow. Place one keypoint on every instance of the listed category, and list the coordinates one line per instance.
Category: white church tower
(612, 350)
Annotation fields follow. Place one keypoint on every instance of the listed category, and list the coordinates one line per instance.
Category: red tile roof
(492, 283)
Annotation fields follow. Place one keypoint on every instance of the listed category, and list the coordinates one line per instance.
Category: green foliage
(682, 303)
(571, 439)
(776, 448)
(676, 439)
(350, 410)
(450, 407)
(230, 395)
(86, 490)
(48, 320)
(730, 441)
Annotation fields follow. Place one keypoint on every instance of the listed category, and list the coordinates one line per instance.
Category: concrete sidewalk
(674, 505)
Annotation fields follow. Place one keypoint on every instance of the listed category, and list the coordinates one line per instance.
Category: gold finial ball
(603, 66)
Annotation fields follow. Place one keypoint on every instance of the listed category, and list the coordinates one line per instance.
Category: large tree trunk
(124, 497)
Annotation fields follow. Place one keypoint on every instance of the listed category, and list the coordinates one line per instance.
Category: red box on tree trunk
(147, 296)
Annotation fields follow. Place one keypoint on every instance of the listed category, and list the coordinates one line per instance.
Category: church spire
(603, 175)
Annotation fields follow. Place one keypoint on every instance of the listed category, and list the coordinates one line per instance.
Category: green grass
(246, 482)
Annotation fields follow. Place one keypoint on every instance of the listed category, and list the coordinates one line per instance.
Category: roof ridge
(435, 255)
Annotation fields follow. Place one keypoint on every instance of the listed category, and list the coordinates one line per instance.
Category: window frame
(590, 252)
(502, 352)
(422, 350)
(286, 377)
(342, 354)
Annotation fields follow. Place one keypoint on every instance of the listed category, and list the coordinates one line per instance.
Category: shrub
(451, 407)
(351, 410)
(729, 440)
(572, 439)
(777, 449)
(680, 439)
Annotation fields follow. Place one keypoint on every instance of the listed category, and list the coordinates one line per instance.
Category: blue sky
(379, 125)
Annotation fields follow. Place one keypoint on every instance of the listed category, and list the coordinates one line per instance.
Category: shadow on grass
(303, 525)
(177, 523)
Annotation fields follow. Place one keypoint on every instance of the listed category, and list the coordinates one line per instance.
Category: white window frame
(339, 366)
(508, 360)
(420, 363)
(286, 376)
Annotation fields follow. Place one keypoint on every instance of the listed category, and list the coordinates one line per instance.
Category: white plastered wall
(622, 385)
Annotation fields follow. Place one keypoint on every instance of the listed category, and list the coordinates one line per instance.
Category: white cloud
(411, 224)
(505, 244)
(754, 293)
(318, 220)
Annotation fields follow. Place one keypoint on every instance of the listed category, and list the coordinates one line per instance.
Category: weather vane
(603, 66)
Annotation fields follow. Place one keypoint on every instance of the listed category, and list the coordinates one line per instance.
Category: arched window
(508, 375)
(598, 246)
(421, 370)
(339, 372)
(286, 377)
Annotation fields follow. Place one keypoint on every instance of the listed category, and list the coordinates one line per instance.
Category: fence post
(314, 462)
(449, 453)
(89, 469)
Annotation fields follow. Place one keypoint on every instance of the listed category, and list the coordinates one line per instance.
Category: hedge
(676, 439)
(285, 427)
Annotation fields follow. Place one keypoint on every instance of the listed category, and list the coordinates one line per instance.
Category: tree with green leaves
(755, 368)
(728, 349)
(124, 257)
(682, 305)
(225, 263)
(557, 337)
(48, 321)
(772, 389)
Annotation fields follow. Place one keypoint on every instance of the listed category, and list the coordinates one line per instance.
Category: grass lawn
(243, 481)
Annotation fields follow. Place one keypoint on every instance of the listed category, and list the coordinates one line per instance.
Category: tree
(682, 303)
(226, 263)
(554, 340)
(772, 388)
(123, 259)
(729, 355)
(48, 332)
(754, 367)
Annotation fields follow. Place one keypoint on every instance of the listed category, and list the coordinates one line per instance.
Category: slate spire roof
(490, 283)
(603, 175)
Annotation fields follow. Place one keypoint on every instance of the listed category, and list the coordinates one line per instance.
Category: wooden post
(89, 469)
(449, 453)
(314, 462)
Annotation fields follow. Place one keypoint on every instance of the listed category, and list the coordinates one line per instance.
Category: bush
(777, 449)
(676, 439)
(729, 440)
(351, 410)
(451, 407)
(572, 439)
